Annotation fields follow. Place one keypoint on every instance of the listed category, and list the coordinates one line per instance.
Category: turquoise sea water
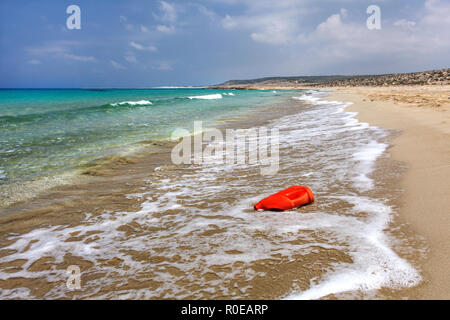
(44, 132)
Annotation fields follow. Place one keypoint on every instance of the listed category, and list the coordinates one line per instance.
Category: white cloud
(207, 12)
(277, 31)
(272, 22)
(117, 65)
(136, 45)
(144, 29)
(124, 21)
(61, 50)
(79, 58)
(130, 58)
(34, 62)
(280, 23)
(438, 14)
(271, 28)
(141, 47)
(229, 22)
(163, 66)
(169, 12)
(333, 28)
(166, 29)
(403, 23)
(168, 17)
(47, 49)
(335, 41)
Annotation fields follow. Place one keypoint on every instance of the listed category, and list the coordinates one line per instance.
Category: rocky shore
(433, 77)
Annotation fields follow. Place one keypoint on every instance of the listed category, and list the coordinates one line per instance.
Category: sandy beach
(422, 114)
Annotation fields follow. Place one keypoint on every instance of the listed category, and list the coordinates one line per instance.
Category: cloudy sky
(137, 43)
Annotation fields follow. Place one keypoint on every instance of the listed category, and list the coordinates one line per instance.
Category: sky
(142, 43)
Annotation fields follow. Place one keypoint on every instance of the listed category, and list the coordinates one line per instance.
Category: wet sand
(422, 113)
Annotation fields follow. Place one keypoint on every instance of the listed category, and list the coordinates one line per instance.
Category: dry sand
(422, 113)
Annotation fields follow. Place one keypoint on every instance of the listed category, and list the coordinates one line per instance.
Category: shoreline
(424, 146)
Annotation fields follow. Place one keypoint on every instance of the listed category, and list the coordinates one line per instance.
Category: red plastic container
(287, 199)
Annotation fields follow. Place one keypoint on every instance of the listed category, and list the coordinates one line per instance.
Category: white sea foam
(316, 99)
(132, 103)
(375, 264)
(366, 160)
(207, 97)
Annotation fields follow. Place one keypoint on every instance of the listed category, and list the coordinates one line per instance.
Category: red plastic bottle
(287, 199)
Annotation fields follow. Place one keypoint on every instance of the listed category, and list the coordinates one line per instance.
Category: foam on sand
(375, 264)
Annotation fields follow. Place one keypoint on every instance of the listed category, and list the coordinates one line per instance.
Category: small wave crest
(316, 99)
(132, 103)
(207, 97)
